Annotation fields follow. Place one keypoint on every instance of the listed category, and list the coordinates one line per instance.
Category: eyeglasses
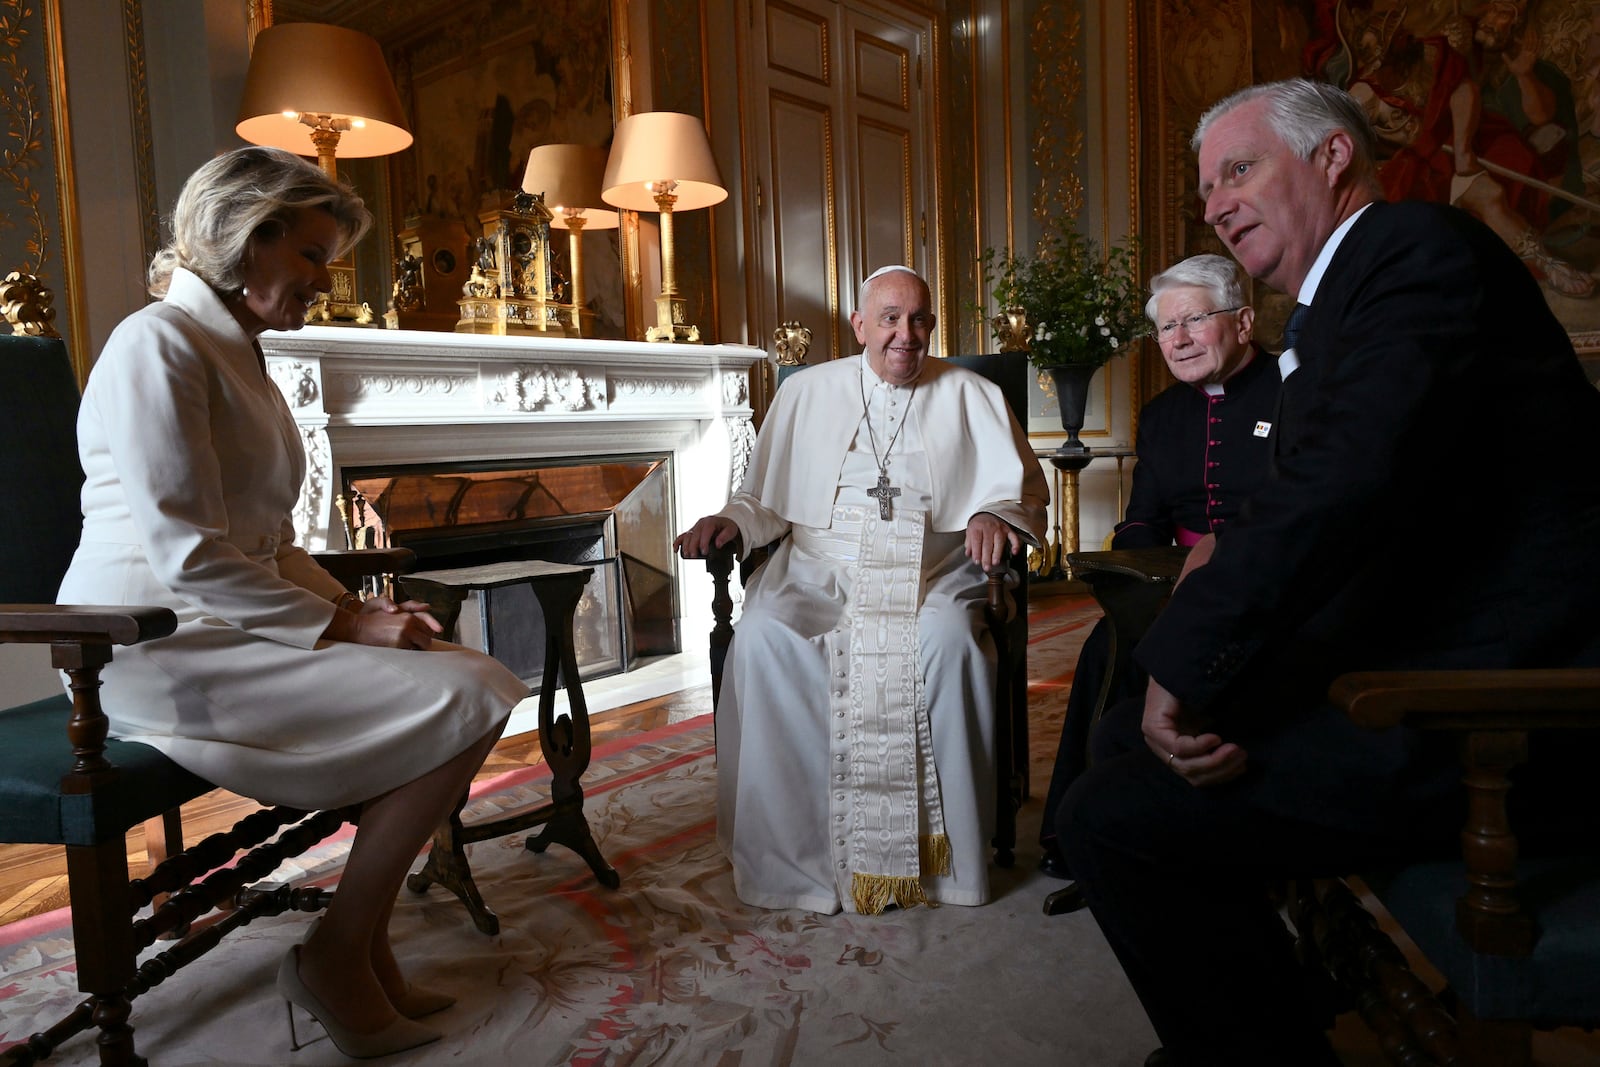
(1191, 323)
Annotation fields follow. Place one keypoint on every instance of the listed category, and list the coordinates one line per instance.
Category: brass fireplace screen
(614, 515)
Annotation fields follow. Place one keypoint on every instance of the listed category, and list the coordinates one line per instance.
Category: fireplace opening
(613, 515)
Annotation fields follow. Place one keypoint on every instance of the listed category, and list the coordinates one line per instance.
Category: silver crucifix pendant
(884, 493)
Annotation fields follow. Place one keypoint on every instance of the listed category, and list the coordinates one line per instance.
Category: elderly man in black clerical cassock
(1202, 448)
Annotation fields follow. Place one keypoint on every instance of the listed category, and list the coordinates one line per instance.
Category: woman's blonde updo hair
(227, 201)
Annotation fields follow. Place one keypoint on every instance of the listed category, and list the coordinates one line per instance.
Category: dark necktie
(1291, 335)
(1291, 329)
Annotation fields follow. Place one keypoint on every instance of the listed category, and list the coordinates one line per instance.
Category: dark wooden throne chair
(1007, 620)
(63, 782)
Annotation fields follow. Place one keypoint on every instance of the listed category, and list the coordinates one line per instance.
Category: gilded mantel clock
(508, 289)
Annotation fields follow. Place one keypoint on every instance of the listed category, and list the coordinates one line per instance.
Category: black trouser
(1072, 754)
(1178, 878)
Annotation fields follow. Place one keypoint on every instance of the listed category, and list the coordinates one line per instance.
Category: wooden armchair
(1007, 619)
(62, 781)
(1517, 940)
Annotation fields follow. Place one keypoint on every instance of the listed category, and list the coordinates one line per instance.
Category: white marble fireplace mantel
(369, 397)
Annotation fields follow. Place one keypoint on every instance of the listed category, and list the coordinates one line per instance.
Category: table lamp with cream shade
(323, 91)
(569, 177)
(661, 161)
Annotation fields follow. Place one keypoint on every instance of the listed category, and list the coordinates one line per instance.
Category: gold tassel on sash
(872, 893)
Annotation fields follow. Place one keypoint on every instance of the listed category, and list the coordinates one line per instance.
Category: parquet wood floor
(33, 878)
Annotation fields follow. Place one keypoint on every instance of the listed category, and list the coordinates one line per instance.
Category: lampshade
(569, 177)
(314, 69)
(659, 146)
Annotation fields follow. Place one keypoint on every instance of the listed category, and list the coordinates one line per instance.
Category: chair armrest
(1493, 710)
(721, 560)
(1160, 565)
(999, 609)
(1471, 699)
(41, 624)
(352, 565)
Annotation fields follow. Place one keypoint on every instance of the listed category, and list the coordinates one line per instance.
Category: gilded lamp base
(338, 306)
(671, 312)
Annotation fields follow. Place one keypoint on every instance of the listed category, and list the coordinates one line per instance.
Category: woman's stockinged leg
(348, 963)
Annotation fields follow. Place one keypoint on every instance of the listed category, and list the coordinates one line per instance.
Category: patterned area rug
(670, 968)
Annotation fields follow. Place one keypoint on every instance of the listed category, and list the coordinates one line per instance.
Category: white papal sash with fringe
(885, 788)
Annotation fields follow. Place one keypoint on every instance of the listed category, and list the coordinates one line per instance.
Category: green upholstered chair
(1007, 617)
(62, 782)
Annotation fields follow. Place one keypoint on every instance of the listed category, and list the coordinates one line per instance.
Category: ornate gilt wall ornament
(1056, 85)
(792, 341)
(1012, 331)
(25, 303)
(22, 147)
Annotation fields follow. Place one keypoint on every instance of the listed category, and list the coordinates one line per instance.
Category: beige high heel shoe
(416, 1002)
(398, 1036)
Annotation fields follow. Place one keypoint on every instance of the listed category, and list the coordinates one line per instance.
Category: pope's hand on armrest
(988, 539)
(713, 531)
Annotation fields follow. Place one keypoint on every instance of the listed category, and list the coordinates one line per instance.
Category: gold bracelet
(348, 597)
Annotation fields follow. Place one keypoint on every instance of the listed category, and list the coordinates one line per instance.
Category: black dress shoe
(1054, 865)
(1065, 901)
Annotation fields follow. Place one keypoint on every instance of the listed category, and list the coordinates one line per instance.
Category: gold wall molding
(1189, 56)
(144, 153)
(1056, 36)
(38, 223)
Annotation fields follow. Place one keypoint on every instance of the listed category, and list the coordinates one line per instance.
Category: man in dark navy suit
(1436, 504)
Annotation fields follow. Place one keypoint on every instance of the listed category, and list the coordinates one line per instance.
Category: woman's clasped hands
(386, 624)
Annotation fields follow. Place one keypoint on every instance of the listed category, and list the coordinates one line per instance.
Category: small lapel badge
(1263, 429)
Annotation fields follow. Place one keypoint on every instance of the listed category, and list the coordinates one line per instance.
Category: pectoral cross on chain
(885, 493)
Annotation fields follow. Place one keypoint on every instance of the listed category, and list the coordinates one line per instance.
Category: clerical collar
(1220, 388)
(872, 379)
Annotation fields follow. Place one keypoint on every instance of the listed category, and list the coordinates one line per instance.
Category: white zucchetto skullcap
(881, 271)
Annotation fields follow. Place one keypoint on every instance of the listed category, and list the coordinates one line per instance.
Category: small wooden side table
(565, 742)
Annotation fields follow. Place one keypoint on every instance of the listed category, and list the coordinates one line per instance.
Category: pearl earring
(244, 290)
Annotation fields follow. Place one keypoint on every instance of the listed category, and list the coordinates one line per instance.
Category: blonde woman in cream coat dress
(275, 685)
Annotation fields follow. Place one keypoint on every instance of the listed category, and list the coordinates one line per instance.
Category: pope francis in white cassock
(855, 731)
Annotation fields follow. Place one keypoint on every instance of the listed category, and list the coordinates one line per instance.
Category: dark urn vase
(1072, 393)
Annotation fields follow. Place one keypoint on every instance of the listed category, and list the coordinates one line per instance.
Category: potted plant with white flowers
(1071, 308)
